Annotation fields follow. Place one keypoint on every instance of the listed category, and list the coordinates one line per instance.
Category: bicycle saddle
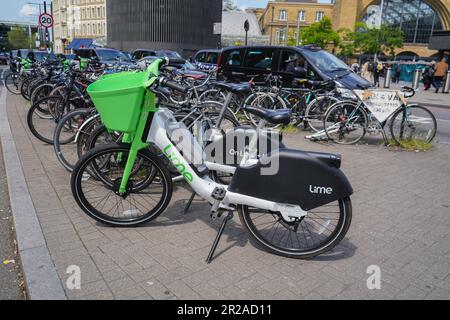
(237, 88)
(281, 116)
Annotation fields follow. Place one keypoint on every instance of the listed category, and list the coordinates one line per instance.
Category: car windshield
(189, 66)
(325, 61)
(169, 54)
(110, 55)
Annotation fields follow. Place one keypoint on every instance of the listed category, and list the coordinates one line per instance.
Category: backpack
(370, 67)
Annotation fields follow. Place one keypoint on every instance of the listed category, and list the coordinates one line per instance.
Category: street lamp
(246, 28)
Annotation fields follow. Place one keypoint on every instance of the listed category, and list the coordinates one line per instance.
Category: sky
(18, 10)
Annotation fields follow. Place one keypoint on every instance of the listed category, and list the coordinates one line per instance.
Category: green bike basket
(118, 98)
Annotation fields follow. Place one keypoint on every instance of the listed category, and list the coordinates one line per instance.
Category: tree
(347, 47)
(376, 41)
(19, 39)
(319, 33)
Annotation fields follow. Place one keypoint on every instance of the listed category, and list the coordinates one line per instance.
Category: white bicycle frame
(204, 186)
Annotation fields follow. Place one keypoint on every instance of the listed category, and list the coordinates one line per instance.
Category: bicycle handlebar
(165, 82)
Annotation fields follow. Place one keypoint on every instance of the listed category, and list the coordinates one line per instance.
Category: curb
(41, 279)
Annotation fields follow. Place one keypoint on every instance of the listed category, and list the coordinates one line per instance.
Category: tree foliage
(372, 40)
(319, 33)
(19, 39)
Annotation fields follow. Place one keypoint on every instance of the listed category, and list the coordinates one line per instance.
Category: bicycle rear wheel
(148, 192)
(317, 233)
(346, 123)
(413, 124)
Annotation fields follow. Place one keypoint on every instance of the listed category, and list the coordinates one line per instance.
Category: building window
(281, 36)
(283, 15)
(301, 15)
(417, 19)
(319, 16)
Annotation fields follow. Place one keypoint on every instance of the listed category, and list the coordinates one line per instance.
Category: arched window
(416, 18)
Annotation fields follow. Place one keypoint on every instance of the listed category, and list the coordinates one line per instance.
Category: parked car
(138, 54)
(3, 58)
(38, 55)
(104, 55)
(184, 66)
(244, 63)
(206, 59)
(168, 54)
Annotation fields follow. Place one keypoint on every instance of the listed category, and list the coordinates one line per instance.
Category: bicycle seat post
(225, 106)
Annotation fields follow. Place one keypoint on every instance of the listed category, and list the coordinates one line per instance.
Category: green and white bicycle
(294, 203)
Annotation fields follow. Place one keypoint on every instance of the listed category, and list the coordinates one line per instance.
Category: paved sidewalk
(10, 280)
(427, 98)
(401, 223)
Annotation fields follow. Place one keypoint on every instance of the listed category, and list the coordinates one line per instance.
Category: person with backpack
(367, 71)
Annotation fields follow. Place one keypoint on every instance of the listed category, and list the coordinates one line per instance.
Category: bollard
(447, 84)
(387, 78)
(416, 79)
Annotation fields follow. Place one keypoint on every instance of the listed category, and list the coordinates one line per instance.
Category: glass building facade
(416, 18)
(180, 25)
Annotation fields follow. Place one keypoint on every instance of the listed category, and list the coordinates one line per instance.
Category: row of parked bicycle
(123, 165)
(326, 108)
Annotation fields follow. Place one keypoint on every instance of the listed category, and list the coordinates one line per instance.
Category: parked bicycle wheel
(24, 87)
(318, 232)
(316, 110)
(66, 135)
(266, 101)
(12, 83)
(413, 124)
(40, 92)
(98, 195)
(44, 115)
(346, 123)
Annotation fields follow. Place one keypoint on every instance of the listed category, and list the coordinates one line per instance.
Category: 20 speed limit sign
(46, 20)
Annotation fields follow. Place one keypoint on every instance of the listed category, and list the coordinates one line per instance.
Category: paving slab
(401, 223)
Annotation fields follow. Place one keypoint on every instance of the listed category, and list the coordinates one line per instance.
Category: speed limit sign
(46, 20)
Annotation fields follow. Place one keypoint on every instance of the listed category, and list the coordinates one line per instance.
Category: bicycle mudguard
(307, 179)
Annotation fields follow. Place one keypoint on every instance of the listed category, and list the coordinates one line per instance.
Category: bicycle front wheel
(96, 180)
(65, 137)
(413, 124)
(12, 83)
(317, 233)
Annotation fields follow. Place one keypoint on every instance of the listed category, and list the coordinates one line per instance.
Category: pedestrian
(439, 74)
(366, 71)
(377, 71)
(428, 74)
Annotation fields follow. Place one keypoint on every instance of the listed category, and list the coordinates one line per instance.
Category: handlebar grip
(165, 82)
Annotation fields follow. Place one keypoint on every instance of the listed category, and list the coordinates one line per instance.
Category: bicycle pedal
(218, 195)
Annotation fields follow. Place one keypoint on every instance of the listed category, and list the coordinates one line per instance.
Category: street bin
(387, 78)
(416, 78)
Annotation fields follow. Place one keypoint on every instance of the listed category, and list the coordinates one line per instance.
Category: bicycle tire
(335, 237)
(431, 133)
(79, 176)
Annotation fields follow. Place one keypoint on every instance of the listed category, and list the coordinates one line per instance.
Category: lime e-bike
(294, 203)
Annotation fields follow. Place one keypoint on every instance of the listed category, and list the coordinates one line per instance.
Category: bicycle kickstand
(227, 218)
(189, 203)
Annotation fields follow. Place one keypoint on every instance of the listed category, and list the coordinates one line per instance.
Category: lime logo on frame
(178, 164)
